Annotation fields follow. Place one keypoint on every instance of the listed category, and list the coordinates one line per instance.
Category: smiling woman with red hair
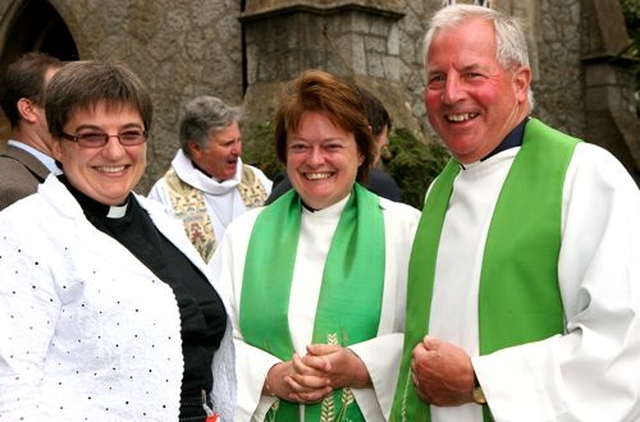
(317, 278)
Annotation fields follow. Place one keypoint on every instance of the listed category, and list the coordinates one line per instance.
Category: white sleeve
(29, 307)
(381, 355)
(266, 182)
(592, 372)
(252, 364)
(160, 194)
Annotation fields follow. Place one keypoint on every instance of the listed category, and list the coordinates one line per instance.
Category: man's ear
(25, 108)
(194, 148)
(522, 81)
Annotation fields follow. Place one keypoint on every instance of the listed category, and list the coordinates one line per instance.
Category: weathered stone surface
(185, 48)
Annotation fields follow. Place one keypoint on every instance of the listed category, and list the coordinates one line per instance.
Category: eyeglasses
(127, 138)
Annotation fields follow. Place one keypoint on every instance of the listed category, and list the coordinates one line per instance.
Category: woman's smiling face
(109, 173)
(322, 161)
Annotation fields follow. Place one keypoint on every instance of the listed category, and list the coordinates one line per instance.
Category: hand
(442, 373)
(341, 365)
(308, 386)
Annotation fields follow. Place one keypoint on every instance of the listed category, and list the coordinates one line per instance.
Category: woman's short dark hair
(319, 91)
(81, 85)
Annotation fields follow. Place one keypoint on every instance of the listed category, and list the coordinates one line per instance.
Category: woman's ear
(56, 148)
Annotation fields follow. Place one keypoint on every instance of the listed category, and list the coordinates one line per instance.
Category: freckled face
(472, 102)
(109, 173)
(322, 161)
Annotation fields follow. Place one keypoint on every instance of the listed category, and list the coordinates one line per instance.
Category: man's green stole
(519, 299)
(350, 297)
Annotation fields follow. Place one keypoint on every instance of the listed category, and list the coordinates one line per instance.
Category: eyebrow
(98, 127)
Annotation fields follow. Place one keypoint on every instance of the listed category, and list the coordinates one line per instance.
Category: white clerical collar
(191, 175)
(331, 210)
(117, 211)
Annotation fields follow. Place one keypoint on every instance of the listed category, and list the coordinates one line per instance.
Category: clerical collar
(210, 176)
(307, 207)
(93, 207)
(512, 140)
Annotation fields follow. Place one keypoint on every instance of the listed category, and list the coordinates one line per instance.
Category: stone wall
(180, 49)
(185, 48)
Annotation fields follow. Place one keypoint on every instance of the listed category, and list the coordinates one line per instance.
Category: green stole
(519, 299)
(350, 297)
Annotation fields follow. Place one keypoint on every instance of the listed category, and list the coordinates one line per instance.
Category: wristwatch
(477, 394)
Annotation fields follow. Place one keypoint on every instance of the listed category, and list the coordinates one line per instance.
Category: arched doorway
(35, 25)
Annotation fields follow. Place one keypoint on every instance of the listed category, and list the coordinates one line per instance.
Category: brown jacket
(20, 175)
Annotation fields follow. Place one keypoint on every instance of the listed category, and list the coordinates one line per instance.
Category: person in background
(524, 274)
(26, 160)
(316, 280)
(379, 182)
(208, 185)
(107, 311)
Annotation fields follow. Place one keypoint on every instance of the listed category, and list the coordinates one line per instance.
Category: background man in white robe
(208, 185)
(478, 100)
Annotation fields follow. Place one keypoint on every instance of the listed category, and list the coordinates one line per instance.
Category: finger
(318, 363)
(305, 383)
(424, 395)
(317, 395)
(295, 385)
(310, 398)
(322, 349)
(431, 343)
(309, 365)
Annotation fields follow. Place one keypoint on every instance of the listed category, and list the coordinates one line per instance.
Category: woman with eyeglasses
(107, 312)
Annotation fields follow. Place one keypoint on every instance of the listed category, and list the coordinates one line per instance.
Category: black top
(202, 313)
(512, 140)
(381, 183)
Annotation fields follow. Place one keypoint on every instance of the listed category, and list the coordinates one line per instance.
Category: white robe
(381, 355)
(86, 330)
(592, 372)
(223, 199)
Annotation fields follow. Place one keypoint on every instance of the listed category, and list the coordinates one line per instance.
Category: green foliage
(414, 164)
(259, 150)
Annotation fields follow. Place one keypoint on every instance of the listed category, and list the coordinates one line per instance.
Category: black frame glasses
(128, 138)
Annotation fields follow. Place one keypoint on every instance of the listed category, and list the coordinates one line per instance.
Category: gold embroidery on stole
(189, 205)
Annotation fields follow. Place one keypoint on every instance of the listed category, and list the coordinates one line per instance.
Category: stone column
(610, 107)
(356, 40)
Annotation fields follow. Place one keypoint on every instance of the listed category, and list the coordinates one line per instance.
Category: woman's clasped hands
(310, 378)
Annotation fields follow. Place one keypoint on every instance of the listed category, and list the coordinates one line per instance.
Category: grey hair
(511, 43)
(203, 116)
